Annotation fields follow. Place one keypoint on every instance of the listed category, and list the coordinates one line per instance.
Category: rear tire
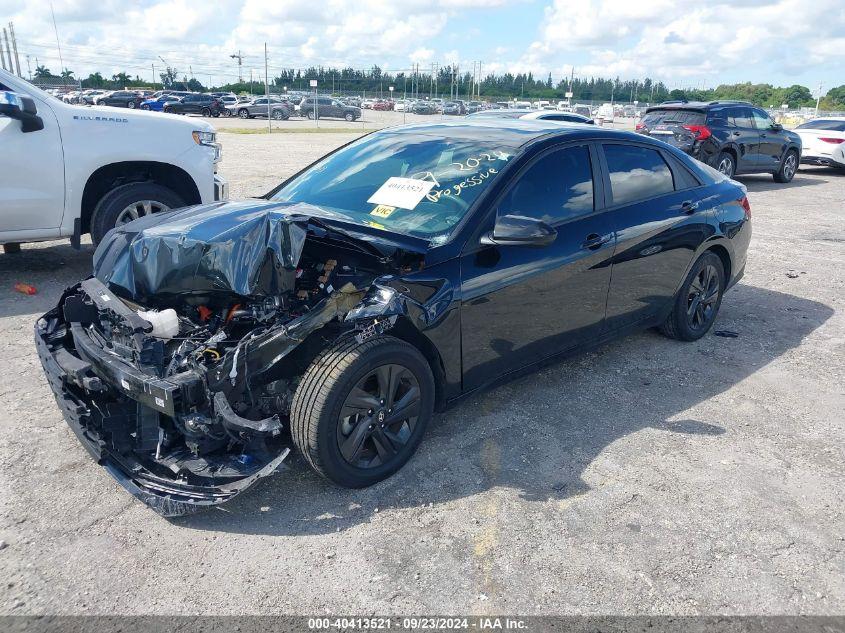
(341, 380)
(130, 105)
(114, 204)
(787, 168)
(726, 164)
(697, 303)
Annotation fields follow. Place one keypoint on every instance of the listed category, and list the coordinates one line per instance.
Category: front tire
(144, 106)
(243, 113)
(349, 117)
(129, 202)
(205, 112)
(697, 302)
(787, 168)
(361, 409)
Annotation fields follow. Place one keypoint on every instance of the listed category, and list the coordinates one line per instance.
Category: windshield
(410, 183)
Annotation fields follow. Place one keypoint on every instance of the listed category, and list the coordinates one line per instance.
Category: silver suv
(279, 110)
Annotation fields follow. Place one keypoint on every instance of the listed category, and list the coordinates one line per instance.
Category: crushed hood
(248, 248)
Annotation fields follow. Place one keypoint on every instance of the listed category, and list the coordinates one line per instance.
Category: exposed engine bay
(171, 372)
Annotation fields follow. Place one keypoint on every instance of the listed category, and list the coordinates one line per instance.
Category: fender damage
(192, 417)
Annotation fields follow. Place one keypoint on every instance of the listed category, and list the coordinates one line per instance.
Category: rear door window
(636, 173)
(740, 117)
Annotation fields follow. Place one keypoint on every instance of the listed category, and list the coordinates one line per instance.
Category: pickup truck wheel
(130, 202)
(361, 409)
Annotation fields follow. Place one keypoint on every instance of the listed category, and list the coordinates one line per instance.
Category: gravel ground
(647, 477)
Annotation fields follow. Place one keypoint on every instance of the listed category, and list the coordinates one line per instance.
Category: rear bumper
(824, 161)
(105, 403)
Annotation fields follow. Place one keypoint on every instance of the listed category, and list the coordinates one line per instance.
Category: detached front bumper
(114, 410)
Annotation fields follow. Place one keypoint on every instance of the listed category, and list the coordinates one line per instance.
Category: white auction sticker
(404, 193)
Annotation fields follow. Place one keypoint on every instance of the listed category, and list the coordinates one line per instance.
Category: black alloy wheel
(361, 409)
(702, 296)
(697, 302)
(206, 112)
(378, 416)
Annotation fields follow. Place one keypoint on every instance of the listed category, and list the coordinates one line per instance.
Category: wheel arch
(107, 177)
(404, 330)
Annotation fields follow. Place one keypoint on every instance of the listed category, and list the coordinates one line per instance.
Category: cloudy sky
(683, 42)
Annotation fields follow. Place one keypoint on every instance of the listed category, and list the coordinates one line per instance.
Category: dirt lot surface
(647, 477)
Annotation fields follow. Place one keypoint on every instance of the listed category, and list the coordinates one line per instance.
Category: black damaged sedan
(405, 270)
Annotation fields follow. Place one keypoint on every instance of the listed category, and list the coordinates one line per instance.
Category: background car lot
(644, 477)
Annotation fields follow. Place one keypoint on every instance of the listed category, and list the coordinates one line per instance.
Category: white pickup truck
(67, 170)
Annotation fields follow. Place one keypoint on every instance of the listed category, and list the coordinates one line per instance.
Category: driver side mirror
(519, 230)
(777, 127)
(22, 109)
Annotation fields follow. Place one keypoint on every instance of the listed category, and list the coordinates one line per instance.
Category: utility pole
(8, 52)
(15, 48)
(819, 98)
(267, 91)
(2, 57)
(154, 76)
(240, 59)
(28, 68)
(56, 30)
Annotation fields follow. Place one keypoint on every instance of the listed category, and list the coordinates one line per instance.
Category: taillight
(701, 132)
(640, 126)
(835, 141)
(746, 206)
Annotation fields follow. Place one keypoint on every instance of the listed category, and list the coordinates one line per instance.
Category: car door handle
(689, 206)
(594, 241)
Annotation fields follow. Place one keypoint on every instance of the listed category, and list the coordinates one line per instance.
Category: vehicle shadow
(539, 434)
(48, 268)
(765, 182)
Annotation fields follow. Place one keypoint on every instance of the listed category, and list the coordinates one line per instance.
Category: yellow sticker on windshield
(376, 225)
(382, 211)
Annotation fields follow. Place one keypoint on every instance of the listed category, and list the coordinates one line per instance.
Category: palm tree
(67, 74)
(42, 72)
(121, 78)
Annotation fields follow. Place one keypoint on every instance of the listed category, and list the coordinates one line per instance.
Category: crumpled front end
(176, 367)
(161, 438)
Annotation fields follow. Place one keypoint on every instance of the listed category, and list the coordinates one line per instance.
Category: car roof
(697, 105)
(513, 132)
(536, 114)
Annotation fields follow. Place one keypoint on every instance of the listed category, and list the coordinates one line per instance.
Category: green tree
(836, 96)
(67, 75)
(121, 78)
(42, 72)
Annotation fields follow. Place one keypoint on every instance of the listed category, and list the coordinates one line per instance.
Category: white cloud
(688, 38)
